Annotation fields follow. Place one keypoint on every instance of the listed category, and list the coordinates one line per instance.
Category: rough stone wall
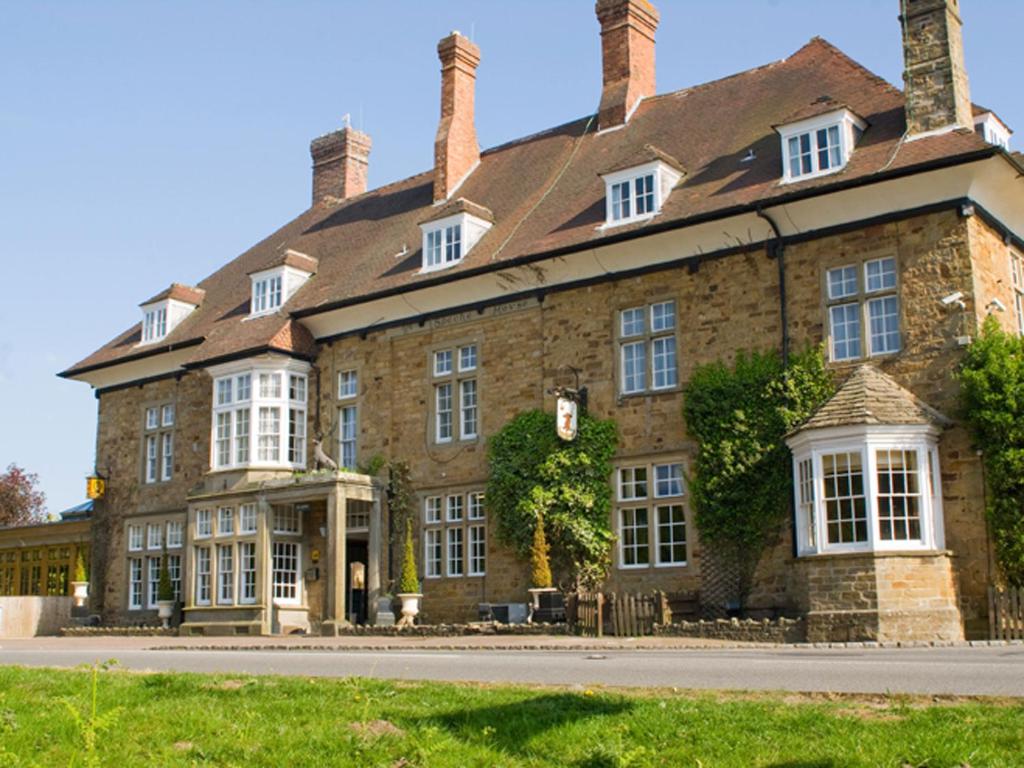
(935, 77)
(120, 458)
(899, 596)
(724, 306)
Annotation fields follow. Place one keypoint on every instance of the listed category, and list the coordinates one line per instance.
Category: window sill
(813, 175)
(650, 393)
(626, 222)
(874, 553)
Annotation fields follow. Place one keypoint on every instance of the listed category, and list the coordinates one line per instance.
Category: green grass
(187, 720)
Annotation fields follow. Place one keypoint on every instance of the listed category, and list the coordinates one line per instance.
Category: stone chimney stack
(340, 162)
(935, 81)
(456, 151)
(627, 57)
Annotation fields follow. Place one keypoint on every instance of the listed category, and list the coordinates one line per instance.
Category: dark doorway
(355, 580)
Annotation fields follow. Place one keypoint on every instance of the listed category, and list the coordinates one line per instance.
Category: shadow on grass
(805, 764)
(512, 727)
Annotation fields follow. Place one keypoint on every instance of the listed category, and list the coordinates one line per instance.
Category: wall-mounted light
(995, 306)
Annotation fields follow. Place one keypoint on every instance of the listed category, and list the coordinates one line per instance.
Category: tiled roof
(546, 195)
(871, 397)
(179, 292)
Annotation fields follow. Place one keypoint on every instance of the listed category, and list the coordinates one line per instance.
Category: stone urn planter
(80, 592)
(410, 607)
(164, 611)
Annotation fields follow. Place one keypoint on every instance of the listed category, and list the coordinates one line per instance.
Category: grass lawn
(187, 719)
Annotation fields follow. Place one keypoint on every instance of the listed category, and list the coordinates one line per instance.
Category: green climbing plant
(534, 475)
(741, 483)
(992, 402)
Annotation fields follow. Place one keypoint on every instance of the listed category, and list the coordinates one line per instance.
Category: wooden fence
(1006, 613)
(621, 615)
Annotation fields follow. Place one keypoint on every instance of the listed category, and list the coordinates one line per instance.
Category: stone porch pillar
(265, 565)
(335, 609)
(373, 558)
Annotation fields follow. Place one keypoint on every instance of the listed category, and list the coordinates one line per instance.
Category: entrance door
(356, 553)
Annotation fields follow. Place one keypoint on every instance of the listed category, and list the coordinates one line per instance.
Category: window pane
(432, 509)
(668, 480)
(443, 362)
(880, 275)
(443, 403)
(468, 412)
(455, 553)
(285, 557)
(845, 331)
(842, 282)
(663, 352)
(347, 433)
(432, 552)
(270, 385)
(845, 510)
(225, 574)
(453, 244)
(242, 436)
(347, 384)
(467, 358)
(454, 509)
(899, 496)
(633, 321)
(243, 387)
(663, 316)
(634, 536)
(634, 367)
(269, 434)
(477, 550)
(643, 188)
(885, 325)
(671, 535)
(805, 491)
(632, 483)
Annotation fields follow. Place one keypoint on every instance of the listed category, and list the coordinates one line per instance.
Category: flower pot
(80, 592)
(164, 611)
(410, 607)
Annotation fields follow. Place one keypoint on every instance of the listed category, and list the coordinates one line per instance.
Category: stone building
(803, 202)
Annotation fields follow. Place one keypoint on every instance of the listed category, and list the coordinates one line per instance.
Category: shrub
(164, 587)
(409, 583)
(534, 475)
(540, 568)
(992, 401)
(741, 487)
(80, 572)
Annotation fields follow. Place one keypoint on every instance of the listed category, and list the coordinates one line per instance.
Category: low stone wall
(739, 630)
(32, 616)
(134, 631)
(455, 630)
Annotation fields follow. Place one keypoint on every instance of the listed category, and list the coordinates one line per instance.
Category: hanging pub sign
(566, 417)
(95, 487)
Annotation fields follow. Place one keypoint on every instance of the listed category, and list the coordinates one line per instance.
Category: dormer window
(992, 129)
(266, 294)
(162, 313)
(154, 324)
(444, 246)
(273, 286)
(637, 193)
(451, 234)
(819, 145)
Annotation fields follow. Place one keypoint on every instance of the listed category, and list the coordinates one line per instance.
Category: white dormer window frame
(638, 193)
(447, 241)
(993, 130)
(162, 317)
(272, 288)
(820, 145)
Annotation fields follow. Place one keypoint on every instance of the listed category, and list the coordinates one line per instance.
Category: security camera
(997, 305)
(953, 298)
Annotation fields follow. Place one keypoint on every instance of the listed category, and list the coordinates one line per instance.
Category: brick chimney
(456, 152)
(935, 81)
(627, 57)
(340, 163)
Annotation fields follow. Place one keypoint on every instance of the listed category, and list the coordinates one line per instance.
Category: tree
(21, 502)
(409, 582)
(540, 569)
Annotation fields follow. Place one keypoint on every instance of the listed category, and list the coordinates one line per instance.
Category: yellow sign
(95, 487)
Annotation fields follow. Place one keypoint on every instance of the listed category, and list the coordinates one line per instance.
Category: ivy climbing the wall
(535, 475)
(741, 485)
(992, 398)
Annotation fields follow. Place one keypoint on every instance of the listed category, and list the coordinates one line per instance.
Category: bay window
(259, 415)
(867, 488)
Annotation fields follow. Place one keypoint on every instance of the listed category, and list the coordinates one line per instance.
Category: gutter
(777, 250)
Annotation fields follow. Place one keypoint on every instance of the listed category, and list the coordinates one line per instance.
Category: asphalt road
(997, 671)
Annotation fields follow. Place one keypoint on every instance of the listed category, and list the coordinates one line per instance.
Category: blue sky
(144, 143)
